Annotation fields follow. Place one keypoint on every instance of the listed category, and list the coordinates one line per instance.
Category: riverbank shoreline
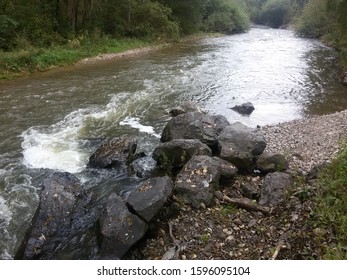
(24, 63)
(290, 232)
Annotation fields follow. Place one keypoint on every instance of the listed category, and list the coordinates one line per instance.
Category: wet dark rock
(185, 107)
(120, 229)
(274, 189)
(220, 122)
(271, 162)
(198, 181)
(64, 226)
(148, 199)
(114, 153)
(239, 144)
(172, 155)
(244, 109)
(193, 125)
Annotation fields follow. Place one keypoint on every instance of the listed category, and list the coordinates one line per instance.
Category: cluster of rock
(198, 154)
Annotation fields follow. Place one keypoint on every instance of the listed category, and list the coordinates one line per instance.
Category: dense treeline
(45, 22)
(40, 34)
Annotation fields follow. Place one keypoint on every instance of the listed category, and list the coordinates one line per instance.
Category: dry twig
(247, 204)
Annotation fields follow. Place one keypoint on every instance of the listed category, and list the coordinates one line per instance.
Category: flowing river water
(53, 121)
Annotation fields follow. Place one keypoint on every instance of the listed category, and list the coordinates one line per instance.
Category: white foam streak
(56, 147)
(135, 123)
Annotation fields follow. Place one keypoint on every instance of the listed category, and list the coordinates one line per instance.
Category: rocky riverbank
(218, 190)
(227, 232)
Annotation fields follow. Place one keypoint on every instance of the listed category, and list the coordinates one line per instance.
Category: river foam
(60, 146)
(135, 123)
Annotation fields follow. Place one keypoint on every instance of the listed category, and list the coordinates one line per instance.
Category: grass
(331, 207)
(30, 59)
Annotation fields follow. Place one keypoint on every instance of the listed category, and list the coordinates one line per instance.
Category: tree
(189, 14)
(226, 16)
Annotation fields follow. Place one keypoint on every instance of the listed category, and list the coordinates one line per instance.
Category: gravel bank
(129, 53)
(307, 142)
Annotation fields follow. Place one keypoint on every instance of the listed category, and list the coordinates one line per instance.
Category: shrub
(226, 17)
(314, 19)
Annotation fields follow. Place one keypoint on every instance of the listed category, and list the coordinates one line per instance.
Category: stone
(144, 167)
(172, 155)
(185, 107)
(148, 199)
(65, 226)
(194, 125)
(244, 109)
(274, 189)
(228, 170)
(250, 191)
(114, 153)
(239, 144)
(198, 181)
(271, 162)
(343, 78)
(120, 229)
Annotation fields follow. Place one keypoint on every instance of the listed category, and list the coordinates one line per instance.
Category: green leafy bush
(314, 19)
(226, 16)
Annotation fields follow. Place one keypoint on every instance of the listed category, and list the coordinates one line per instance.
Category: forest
(36, 34)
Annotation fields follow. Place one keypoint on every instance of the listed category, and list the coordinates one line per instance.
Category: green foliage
(189, 14)
(331, 208)
(314, 19)
(152, 19)
(276, 13)
(36, 59)
(7, 27)
(226, 16)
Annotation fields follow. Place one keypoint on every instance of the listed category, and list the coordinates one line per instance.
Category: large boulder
(114, 153)
(194, 125)
(120, 229)
(274, 189)
(244, 109)
(147, 200)
(65, 227)
(271, 162)
(198, 181)
(239, 144)
(172, 155)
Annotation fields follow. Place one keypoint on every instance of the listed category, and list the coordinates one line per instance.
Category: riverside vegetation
(38, 35)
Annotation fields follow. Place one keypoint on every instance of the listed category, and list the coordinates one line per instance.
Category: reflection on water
(54, 120)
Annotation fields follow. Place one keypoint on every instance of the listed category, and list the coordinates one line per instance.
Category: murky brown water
(51, 120)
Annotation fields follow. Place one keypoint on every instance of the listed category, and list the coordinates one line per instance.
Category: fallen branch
(280, 246)
(248, 204)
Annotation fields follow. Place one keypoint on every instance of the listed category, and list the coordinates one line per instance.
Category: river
(55, 120)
